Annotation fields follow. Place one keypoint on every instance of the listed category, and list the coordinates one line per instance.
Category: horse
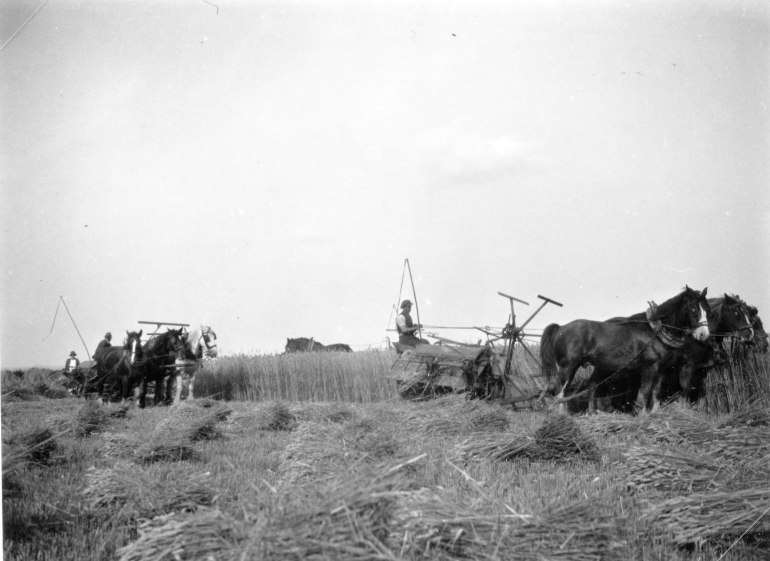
(119, 364)
(200, 343)
(303, 344)
(640, 345)
(760, 343)
(160, 353)
(727, 320)
(339, 347)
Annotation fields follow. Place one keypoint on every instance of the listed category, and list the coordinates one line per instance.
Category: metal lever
(549, 300)
(546, 301)
(512, 298)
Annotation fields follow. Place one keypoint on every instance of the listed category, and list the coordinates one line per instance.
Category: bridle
(205, 335)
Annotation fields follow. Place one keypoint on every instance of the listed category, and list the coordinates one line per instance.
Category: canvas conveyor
(431, 370)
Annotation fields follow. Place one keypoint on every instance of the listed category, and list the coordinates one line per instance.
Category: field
(314, 456)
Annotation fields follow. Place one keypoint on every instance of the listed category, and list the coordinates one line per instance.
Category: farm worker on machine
(103, 344)
(406, 327)
(72, 362)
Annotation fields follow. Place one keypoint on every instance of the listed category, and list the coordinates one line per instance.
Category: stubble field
(315, 457)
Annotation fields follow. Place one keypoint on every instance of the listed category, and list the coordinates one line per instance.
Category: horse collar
(666, 337)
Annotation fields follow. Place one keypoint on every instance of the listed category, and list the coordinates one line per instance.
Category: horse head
(134, 346)
(693, 313)
(761, 340)
(734, 318)
(200, 342)
(298, 345)
(209, 340)
(175, 342)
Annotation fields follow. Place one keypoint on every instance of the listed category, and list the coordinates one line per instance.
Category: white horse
(200, 343)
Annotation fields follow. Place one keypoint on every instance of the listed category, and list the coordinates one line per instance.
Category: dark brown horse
(304, 345)
(160, 354)
(728, 323)
(760, 342)
(119, 365)
(638, 347)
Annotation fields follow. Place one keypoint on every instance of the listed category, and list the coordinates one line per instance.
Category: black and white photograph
(369, 280)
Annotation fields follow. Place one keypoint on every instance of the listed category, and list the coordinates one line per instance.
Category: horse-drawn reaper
(487, 371)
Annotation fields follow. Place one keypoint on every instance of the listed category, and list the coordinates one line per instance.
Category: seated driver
(406, 327)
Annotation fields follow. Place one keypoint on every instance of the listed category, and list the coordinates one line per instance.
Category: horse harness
(205, 336)
(659, 330)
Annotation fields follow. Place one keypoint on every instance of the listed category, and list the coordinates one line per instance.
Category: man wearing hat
(406, 327)
(103, 344)
(72, 362)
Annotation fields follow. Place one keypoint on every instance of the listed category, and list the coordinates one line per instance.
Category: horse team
(640, 360)
(175, 355)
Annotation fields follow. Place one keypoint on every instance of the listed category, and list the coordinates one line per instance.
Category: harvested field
(388, 479)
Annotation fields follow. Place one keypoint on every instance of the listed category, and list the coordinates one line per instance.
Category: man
(72, 362)
(406, 327)
(103, 344)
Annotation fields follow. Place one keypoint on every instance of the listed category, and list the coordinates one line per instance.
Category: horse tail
(547, 354)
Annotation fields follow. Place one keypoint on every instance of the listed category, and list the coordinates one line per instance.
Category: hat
(108, 335)
(73, 353)
(406, 303)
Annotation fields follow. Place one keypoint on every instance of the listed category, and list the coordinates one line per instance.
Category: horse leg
(685, 383)
(656, 394)
(592, 399)
(178, 393)
(190, 385)
(650, 381)
(141, 393)
(562, 407)
(127, 383)
(169, 380)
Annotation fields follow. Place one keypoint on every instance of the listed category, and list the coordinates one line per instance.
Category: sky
(268, 167)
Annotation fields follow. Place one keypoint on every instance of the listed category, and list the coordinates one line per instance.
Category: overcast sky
(267, 167)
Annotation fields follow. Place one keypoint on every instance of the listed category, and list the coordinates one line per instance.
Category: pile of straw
(127, 492)
(34, 447)
(205, 534)
(188, 422)
(602, 424)
(340, 414)
(92, 417)
(456, 415)
(674, 470)
(168, 448)
(704, 517)
(349, 519)
(559, 438)
(120, 445)
(585, 530)
(318, 451)
(164, 447)
(279, 418)
(22, 449)
(172, 438)
(740, 436)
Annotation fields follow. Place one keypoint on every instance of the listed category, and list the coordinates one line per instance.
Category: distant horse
(160, 353)
(119, 365)
(304, 345)
(639, 346)
(200, 342)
